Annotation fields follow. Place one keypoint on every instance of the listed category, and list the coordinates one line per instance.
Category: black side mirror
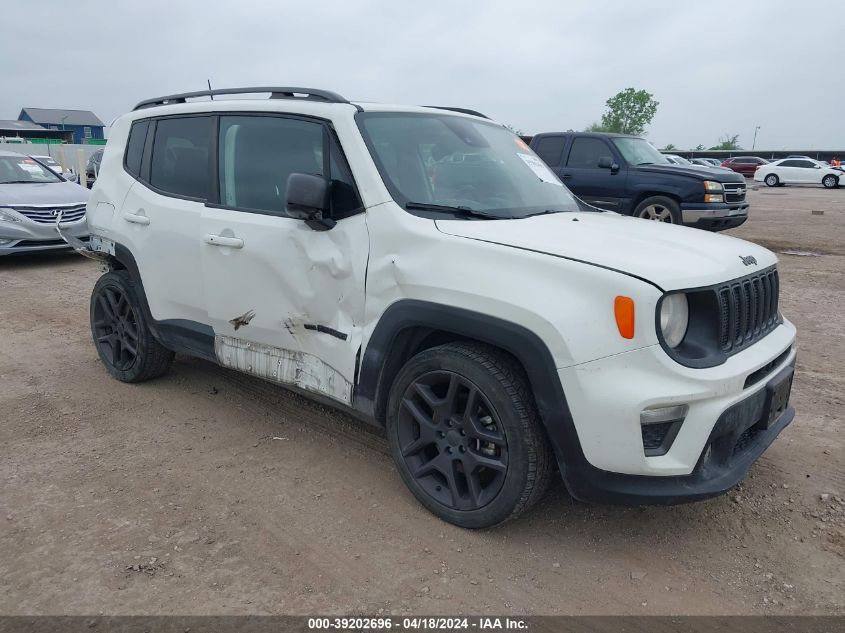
(606, 162)
(307, 199)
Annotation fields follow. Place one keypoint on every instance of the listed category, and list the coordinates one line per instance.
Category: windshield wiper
(459, 210)
(550, 211)
(20, 182)
(645, 163)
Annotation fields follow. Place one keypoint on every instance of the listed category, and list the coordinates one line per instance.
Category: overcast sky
(715, 67)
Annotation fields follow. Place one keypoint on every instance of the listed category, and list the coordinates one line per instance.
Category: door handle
(566, 177)
(221, 240)
(136, 219)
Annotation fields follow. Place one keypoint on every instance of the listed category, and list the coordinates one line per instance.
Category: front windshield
(681, 160)
(23, 169)
(466, 164)
(638, 151)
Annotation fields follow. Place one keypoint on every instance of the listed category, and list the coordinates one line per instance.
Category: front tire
(465, 435)
(121, 334)
(772, 180)
(659, 209)
(830, 181)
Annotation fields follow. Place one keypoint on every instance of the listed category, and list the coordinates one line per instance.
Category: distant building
(20, 131)
(84, 124)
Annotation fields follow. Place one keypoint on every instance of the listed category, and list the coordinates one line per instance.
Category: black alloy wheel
(465, 434)
(115, 326)
(449, 436)
(119, 328)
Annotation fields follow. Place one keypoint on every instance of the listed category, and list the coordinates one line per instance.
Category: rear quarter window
(135, 147)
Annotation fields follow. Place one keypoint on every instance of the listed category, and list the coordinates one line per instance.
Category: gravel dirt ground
(206, 492)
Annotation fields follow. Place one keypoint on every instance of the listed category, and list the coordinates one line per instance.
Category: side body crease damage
(283, 366)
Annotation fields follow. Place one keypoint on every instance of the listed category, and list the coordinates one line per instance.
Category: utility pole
(754, 144)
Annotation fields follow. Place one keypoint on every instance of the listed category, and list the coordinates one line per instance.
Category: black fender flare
(522, 343)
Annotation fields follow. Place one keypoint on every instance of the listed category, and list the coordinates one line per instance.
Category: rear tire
(772, 180)
(830, 181)
(659, 209)
(465, 435)
(121, 334)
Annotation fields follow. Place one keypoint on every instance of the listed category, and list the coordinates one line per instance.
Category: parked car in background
(708, 162)
(52, 163)
(799, 171)
(92, 168)
(677, 160)
(704, 162)
(31, 198)
(629, 175)
(745, 165)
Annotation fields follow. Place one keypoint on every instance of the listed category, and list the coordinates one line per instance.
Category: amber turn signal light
(623, 309)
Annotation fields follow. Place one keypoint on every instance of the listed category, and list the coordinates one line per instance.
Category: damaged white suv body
(422, 269)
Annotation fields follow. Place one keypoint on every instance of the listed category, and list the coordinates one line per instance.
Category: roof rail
(311, 94)
(461, 110)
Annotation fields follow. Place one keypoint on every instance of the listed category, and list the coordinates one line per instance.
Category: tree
(669, 148)
(596, 127)
(629, 112)
(699, 147)
(728, 142)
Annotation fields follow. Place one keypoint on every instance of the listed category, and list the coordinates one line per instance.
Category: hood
(699, 172)
(668, 256)
(34, 194)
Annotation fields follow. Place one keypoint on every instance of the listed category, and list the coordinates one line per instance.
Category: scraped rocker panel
(284, 366)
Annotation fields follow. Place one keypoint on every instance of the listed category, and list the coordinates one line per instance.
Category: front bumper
(737, 440)
(29, 237)
(714, 216)
(606, 397)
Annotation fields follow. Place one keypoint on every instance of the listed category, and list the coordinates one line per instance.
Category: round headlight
(674, 318)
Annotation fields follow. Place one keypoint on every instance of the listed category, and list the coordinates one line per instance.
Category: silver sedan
(31, 199)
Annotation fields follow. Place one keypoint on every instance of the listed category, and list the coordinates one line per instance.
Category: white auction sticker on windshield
(540, 169)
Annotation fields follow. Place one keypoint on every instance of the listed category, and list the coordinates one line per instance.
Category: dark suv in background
(628, 175)
(745, 165)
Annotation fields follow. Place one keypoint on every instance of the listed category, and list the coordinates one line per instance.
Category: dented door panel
(295, 292)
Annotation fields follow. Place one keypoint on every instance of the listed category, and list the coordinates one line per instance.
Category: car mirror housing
(307, 199)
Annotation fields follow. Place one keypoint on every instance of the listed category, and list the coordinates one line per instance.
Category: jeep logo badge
(748, 260)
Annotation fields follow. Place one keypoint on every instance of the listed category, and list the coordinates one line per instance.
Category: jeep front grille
(748, 309)
(47, 215)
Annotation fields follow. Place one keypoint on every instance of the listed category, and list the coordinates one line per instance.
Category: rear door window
(550, 149)
(180, 163)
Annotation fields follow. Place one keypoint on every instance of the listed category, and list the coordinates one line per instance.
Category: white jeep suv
(421, 268)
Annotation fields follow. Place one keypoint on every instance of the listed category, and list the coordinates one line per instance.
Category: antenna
(209, 89)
